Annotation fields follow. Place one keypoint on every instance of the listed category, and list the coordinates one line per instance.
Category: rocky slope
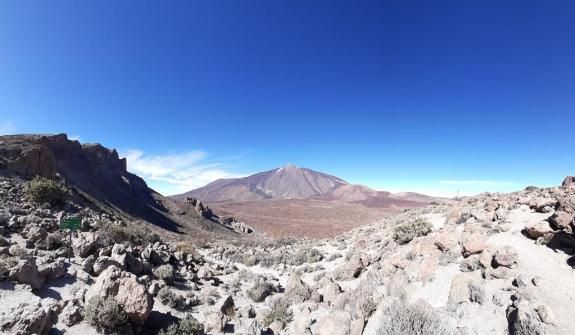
(490, 264)
(96, 177)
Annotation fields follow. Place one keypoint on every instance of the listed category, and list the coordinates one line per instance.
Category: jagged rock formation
(98, 177)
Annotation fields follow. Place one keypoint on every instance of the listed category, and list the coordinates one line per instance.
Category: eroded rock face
(132, 296)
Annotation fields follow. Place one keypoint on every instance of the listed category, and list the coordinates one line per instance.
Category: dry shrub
(405, 232)
(400, 318)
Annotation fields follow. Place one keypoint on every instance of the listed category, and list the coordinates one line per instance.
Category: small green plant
(405, 232)
(43, 190)
(106, 315)
(279, 312)
(187, 326)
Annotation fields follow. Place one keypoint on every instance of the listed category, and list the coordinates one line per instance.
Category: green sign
(71, 223)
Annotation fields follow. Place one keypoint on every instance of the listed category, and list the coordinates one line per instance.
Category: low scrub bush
(165, 273)
(111, 233)
(106, 316)
(305, 256)
(171, 299)
(261, 290)
(186, 248)
(279, 312)
(187, 326)
(400, 318)
(405, 232)
(43, 190)
(54, 241)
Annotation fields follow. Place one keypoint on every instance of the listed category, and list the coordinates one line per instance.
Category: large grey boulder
(124, 287)
(30, 318)
(26, 272)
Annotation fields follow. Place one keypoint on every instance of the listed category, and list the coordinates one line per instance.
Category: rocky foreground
(490, 264)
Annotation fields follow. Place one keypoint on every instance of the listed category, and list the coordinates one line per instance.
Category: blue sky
(428, 96)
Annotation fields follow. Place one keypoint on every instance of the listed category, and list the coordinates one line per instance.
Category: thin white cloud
(476, 182)
(7, 128)
(75, 138)
(177, 172)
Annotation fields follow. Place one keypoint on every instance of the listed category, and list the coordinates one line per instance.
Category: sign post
(71, 223)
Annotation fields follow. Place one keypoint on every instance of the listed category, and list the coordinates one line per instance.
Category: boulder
(296, 290)
(466, 287)
(53, 270)
(428, 268)
(71, 314)
(247, 327)
(36, 234)
(546, 314)
(204, 272)
(125, 289)
(562, 220)
(506, 256)
(226, 306)
(26, 272)
(30, 318)
(523, 322)
(85, 244)
(538, 230)
(215, 322)
(330, 292)
(335, 323)
(474, 246)
(352, 268)
(446, 241)
(104, 262)
(88, 263)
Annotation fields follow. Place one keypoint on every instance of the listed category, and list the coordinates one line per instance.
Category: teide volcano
(288, 182)
(293, 201)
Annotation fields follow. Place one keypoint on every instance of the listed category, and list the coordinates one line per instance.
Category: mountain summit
(287, 182)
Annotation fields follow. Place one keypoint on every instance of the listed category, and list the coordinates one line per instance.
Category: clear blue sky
(430, 96)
